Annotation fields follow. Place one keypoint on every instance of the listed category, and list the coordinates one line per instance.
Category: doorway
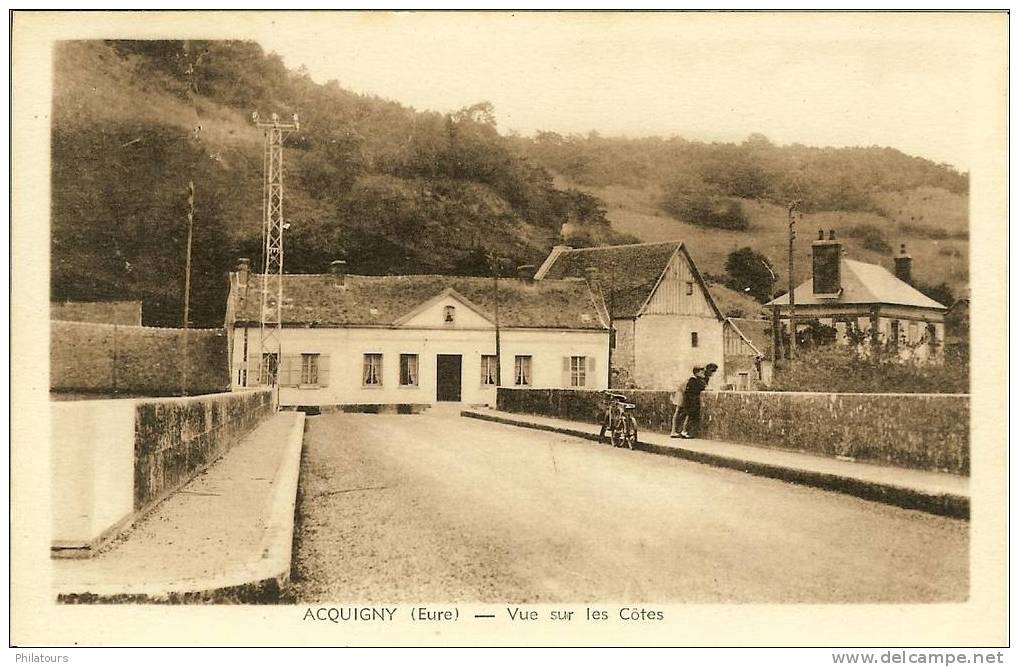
(447, 377)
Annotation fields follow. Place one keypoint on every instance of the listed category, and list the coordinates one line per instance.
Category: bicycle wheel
(619, 432)
(631, 432)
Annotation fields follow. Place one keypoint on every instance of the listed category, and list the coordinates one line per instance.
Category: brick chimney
(243, 271)
(338, 269)
(827, 266)
(904, 265)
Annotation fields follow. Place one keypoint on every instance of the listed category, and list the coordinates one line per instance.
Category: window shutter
(253, 370)
(323, 370)
(566, 372)
(290, 373)
(589, 380)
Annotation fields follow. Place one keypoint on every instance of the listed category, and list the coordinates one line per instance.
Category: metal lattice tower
(271, 320)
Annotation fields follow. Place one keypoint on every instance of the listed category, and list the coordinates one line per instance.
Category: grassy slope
(634, 211)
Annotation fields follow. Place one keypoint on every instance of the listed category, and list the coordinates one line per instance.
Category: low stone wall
(111, 359)
(923, 431)
(175, 438)
(113, 460)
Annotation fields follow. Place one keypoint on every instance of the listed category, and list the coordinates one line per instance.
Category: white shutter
(566, 372)
(323, 370)
(589, 380)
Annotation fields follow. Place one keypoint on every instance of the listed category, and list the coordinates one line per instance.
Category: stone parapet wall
(113, 460)
(922, 431)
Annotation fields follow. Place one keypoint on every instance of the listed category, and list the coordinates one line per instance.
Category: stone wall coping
(107, 325)
(756, 393)
(139, 400)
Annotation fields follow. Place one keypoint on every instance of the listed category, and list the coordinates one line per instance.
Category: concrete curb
(950, 505)
(258, 581)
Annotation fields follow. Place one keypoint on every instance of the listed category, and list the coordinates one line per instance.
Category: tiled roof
(318, 300)
(628, 272)
(863, 283)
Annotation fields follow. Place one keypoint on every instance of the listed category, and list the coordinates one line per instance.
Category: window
(914, 332)
(309, 368)
(488, 369)
(372, 370)
(408, 370)
(578, 371)
(689, 288)
(522, 370)
(449, 314)
(693, 339)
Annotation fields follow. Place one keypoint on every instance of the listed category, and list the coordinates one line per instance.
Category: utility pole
(792, 295)
(271, 319)
(775, 337)
(496, 263)
(187, 288)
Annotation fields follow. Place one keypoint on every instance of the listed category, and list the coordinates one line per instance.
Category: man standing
(688, 404)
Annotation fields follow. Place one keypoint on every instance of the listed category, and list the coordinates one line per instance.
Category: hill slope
(393, 190)
(399, 191)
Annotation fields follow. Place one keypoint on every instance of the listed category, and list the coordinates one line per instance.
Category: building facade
(418, 340)
(663, 317)
(747, 366)
(864, 304)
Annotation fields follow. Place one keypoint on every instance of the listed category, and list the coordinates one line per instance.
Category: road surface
(435, 507)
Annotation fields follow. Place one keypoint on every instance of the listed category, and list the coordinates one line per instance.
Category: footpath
(933, 492)
(226, 536)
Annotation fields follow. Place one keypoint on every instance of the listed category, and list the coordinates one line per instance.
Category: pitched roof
(318, 300)
(630, 272)
(863, 283)
(757, 332)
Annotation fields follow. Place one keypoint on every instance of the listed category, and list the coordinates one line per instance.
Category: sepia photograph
(509, 328)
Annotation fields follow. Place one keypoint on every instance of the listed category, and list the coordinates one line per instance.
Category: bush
(871, 238)
(839, 368)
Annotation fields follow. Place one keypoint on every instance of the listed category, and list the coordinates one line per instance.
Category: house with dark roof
(417, 340)
(664, 319)
(864, 302)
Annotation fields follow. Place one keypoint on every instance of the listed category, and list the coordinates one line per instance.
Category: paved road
(440, 508)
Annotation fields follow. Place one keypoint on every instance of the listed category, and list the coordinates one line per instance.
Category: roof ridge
(626, 245)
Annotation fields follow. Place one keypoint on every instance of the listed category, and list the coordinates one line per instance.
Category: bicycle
(619, 421)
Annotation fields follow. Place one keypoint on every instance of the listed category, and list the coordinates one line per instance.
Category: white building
(415, 340)
(663, 317)
(866, 303)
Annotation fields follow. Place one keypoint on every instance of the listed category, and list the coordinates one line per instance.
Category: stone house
(417, 340)
(865, 303)
(664, 320)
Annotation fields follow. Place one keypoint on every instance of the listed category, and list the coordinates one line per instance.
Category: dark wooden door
(447, 377)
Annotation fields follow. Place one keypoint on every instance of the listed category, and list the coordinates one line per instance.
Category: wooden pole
(187, 288)
(792, 294)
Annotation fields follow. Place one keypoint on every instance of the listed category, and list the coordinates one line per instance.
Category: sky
(900, 80)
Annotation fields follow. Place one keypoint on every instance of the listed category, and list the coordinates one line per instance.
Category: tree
(941, 292)
(750, 272)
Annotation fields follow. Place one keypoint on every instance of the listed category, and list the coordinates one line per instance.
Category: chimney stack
(827, 264)
(904, 265)
(338, 269)
(243, 271)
